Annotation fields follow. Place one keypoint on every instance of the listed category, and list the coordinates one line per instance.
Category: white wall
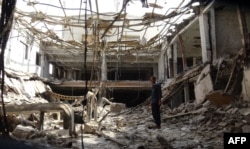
(15, 53)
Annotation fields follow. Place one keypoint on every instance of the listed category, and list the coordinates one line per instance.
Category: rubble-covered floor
(187, 126)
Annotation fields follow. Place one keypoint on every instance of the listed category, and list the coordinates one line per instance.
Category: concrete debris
(164, 142)
(245, 111)
(117, 107)
(203, 85)
(187, 125)
(90, 127)
(114, 107)
(27, 132)
(195, 124)
(246, 129)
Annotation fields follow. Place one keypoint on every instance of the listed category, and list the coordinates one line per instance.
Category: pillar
(104, 67)
(162, 62)
(205, 41)
(44, 65)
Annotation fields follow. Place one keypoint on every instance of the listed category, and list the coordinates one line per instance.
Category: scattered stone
(201, 110)
(245, 111)
(236, 130)
(228, 107)
(223, 124)
(24, 132)
(197, 119)
(186, 126)
(246, 129)
(90, 127)
(234, 110)
(238, 124)
(247, 118)
(224, 119)
(117, 107)
(164, 142)
(185, 129)
(198, 106)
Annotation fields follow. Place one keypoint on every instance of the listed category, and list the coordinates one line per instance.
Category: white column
(204, 34)
(104, 67)
(162, 62)
(161, 67)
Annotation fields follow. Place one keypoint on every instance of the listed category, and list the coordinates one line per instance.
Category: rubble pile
(189, 125)
(186, 126)
(22, 88)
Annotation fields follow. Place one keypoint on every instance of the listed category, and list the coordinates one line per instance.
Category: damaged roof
(118, 31)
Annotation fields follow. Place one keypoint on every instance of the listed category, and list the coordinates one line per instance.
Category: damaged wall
(228, 36)
(221, 36)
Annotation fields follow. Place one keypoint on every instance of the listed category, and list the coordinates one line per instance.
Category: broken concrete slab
(203, 85)
(26, 132)
(245, 111)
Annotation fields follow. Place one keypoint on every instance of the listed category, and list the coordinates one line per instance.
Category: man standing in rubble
(156, 95)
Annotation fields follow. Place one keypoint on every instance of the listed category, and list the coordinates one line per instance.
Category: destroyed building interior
(76, 74)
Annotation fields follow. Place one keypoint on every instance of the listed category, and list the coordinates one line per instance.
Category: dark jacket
(156, 93)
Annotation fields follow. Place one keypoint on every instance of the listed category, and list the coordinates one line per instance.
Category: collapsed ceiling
(124, 37)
